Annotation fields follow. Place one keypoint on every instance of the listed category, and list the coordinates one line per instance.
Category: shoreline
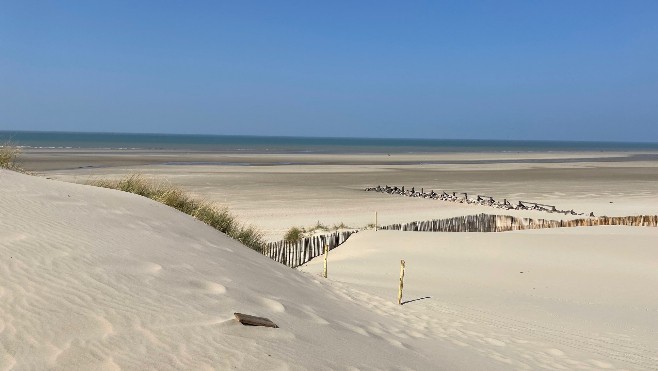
(65, 159)
(277, 192)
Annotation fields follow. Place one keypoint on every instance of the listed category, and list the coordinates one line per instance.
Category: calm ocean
(259, 144)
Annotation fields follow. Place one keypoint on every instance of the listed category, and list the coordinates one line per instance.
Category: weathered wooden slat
(249, 320)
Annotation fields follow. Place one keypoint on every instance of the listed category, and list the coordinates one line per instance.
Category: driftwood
(249, 320)
(479, 200)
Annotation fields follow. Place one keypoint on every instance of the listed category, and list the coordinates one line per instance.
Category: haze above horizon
(511, 70)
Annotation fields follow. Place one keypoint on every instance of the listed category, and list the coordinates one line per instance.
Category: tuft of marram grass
(219, 218)
(293, 235)
(319, 227)
(340, 225)
(8, 156)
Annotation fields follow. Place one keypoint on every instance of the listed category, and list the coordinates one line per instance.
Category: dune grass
(219, 218)
(294, 235)
(8, 156)
(319, 227)
(339, 226)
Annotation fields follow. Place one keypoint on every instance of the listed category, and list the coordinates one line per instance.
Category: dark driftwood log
(248, 320)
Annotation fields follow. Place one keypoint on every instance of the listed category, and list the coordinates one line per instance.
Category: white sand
(98, 279)
(572, 298)
(104, 279)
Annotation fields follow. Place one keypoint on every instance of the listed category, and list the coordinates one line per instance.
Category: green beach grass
(296, 234)
(219, 218)
(293, 235)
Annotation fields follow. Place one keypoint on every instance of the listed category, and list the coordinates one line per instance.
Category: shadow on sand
(411, 301)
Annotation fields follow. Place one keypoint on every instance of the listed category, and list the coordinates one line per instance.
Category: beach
(329, 186)
(278, 191)
(112, 280)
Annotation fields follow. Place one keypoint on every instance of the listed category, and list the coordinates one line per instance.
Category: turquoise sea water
(261, 144)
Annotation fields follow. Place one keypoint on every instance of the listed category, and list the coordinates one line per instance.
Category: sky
(544, 70)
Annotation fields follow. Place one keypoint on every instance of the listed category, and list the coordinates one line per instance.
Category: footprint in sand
(600, 364)
(273, 305)
(396, 343)
(416, 334)
(215, 288)
(555, 352)
(308, 312)
(151, 268)
(354, 328)
(495, 342)
(209, 287)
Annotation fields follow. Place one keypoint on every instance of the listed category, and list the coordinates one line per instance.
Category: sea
(283, 144)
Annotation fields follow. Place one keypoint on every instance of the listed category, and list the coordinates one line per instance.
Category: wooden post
(375, 221)
(401, 282)
(326, 255)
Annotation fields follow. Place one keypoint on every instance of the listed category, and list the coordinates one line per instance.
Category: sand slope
(92, 278)
(98, 279)
(572, 298)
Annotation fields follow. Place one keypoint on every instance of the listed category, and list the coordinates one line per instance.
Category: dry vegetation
(295, 234)
(217, 217)
(8, 156)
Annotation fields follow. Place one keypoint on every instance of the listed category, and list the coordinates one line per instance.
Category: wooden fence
(503, 223)
(296, 254)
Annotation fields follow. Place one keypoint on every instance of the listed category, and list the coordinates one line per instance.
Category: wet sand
(276, 192)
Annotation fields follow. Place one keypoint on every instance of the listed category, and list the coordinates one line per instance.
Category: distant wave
(299, 145)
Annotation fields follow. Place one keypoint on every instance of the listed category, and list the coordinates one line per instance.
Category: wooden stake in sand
(401, 282)
(375, 221)
(326, 255)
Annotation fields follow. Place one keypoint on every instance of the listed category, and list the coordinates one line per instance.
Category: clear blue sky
(581, 70)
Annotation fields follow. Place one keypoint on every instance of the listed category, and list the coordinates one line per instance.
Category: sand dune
(98, 279)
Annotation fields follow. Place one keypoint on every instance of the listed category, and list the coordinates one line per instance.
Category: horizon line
(326, 137)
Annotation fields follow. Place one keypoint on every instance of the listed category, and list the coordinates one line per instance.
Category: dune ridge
(95, 278)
